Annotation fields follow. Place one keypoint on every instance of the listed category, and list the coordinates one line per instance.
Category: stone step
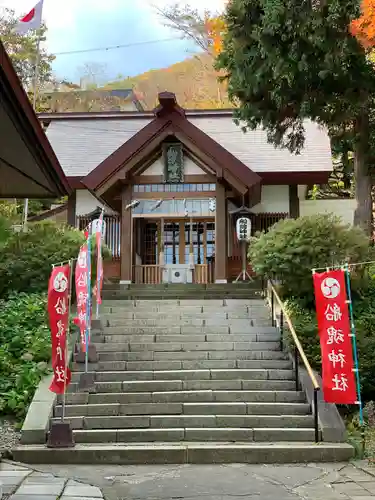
(188, 325)
(187, 346)
(186, 452)
(247, 301)
(183, 286)
(184, 305)
(191, 385)
(193, 421)
(120, 355)
(251, 334)
(183, 337)
(191, 434)
(193, 396)
(206, 295)
(197, 319)
(117, 409)
(181, 375)
(105, 366)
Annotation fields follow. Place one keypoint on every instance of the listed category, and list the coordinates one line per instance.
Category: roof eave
(33, 133)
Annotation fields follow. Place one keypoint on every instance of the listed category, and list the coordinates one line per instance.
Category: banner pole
(355, 351)
(88, 312)
(99, 265)
(354, 343)
(67, 339)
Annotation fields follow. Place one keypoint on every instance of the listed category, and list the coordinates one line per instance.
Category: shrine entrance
(176, 250)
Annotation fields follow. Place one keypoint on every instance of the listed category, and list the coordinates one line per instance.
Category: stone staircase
(189, 381)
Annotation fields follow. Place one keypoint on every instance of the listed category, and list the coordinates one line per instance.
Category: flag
(335, 341)
(58, 312)
(32, 20)
(81, 279)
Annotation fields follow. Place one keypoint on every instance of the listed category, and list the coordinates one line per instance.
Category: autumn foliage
(363, 28)
(215, 28)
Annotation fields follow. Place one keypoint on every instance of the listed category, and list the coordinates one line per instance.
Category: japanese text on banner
(335, 341)
(81, 282)
(58, 312)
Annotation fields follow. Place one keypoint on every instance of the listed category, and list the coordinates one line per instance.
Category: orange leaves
(215, 28)
(363, 28)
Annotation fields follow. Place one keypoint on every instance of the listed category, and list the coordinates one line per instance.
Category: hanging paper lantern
(243, 229)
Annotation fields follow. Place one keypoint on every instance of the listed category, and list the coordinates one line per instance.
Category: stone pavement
(18, 482)
(353, 481)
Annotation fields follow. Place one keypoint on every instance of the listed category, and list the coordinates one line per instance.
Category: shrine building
(173, 183)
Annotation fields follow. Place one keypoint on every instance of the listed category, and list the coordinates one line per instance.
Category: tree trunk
(363, 213)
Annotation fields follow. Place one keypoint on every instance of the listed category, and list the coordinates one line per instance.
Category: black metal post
(282, 330)
(316, 415)
(296, 367)
(272, 308)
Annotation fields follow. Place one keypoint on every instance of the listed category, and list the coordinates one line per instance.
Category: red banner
(335, 341)
(58, 312)
(99, 265)
(81, 281)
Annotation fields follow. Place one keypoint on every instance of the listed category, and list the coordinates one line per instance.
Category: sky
(86, 24)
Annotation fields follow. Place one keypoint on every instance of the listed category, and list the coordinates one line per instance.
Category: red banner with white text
(81, 282)
(99, 265)
(335, 341)
(58, 312)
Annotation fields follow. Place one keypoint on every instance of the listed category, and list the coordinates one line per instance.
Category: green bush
(292, 247)
(26, 258)
(25, 350)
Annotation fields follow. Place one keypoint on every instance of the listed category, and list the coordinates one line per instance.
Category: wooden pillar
(72, 200)
(181, 240)
(161, 254)
(221, 235)
(126, 237)
(191, 246)
(293, 201)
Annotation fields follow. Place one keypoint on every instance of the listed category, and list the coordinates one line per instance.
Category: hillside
(194, 81)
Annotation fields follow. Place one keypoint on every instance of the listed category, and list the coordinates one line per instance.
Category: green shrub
(25, 350)
(26, 258)
(292, 247)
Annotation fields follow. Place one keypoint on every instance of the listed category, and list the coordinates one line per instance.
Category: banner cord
(342, 266)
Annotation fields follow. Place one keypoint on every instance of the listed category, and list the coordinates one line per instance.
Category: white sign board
(243, 229)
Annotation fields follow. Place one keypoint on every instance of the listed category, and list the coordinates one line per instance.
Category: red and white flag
(58, 312)
(32, 20)
(335, 341)
(99, 279)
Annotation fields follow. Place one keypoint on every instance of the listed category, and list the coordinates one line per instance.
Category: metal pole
(296, 367)
(88, 304)
(36, 71)
(354, 345)
(25, 213)
(316, 415)
(67, 338)
(35, 89)
(272, 308)
(282, 330)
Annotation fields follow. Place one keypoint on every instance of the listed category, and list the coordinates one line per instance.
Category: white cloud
(156, 21)
(62, 15)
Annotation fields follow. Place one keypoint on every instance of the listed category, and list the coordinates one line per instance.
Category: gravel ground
(9, 437)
